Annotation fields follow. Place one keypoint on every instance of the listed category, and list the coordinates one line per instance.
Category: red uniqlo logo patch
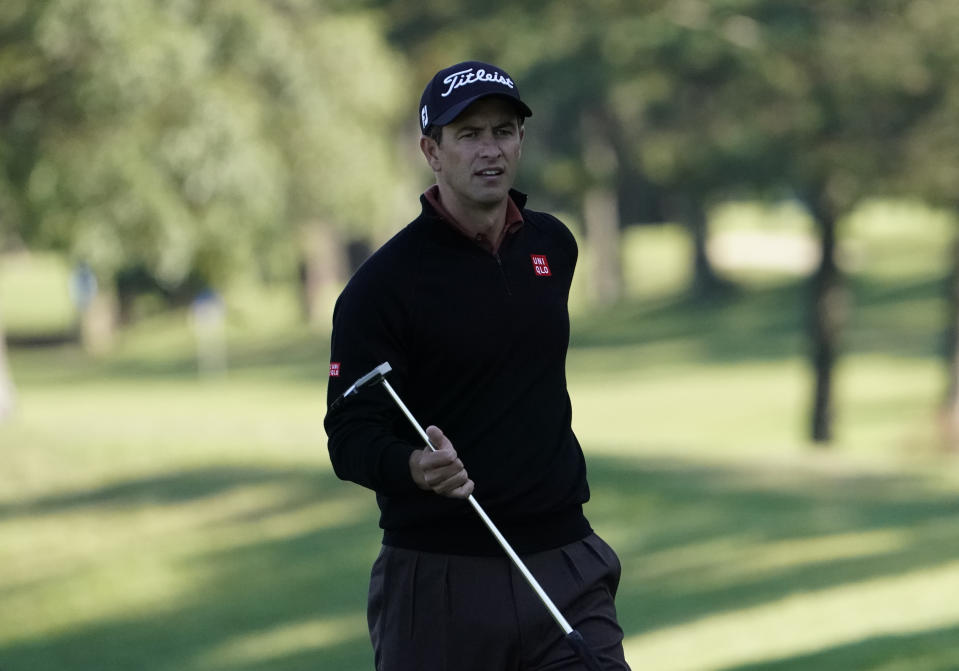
(540, 265)
(334, 369)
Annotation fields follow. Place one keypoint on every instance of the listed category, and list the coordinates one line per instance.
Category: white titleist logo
(466, 77)
(425, 117)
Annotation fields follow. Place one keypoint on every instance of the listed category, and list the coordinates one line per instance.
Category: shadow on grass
(318, 575)
(169, 488)
(684, 513)
(300, 355)
(934, 650)
(254, 589)
(294, 357)
(770, 323)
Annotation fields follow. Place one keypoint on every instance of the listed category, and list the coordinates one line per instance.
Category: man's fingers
(439, 460)
(463, 491)
(438, 439)
(446, 480)
(457, 486)
(440, 471)
(438, 476)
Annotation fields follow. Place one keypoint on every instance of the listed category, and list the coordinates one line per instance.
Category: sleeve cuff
(395, 469)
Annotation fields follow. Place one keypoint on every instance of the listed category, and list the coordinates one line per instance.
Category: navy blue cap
(455, 88)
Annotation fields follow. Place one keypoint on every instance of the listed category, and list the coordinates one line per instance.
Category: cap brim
(450, 115)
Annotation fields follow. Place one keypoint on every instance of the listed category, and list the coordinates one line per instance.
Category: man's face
(477, 159)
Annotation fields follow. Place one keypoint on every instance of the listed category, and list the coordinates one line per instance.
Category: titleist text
(466, 77)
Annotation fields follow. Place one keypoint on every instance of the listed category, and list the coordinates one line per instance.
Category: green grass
(153, 519)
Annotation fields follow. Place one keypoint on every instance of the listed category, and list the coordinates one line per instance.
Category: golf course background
(155, 519)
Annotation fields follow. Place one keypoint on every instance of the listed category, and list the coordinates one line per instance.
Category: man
(468, 304)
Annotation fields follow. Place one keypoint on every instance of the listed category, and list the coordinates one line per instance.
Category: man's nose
(489, 146)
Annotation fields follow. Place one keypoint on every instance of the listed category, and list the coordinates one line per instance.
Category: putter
(573, 638)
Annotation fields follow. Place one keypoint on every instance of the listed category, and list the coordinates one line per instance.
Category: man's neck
(487, 222)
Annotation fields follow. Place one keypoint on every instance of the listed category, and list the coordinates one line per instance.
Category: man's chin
(491, 197)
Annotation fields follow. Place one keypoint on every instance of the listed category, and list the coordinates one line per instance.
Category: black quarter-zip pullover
(477, 342)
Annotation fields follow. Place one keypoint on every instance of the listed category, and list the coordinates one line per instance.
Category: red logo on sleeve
(334, 369)
(540, 265)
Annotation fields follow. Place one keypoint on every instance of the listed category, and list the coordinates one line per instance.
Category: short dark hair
(435, 133)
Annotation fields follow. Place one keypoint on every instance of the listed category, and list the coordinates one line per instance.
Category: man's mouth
(490, 172)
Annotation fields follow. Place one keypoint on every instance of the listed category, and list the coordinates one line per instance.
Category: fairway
(197, 526)
(154, 520)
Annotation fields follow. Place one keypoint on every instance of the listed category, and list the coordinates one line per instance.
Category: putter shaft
(517, 562)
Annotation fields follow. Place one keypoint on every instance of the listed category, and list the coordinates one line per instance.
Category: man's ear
(430, 150)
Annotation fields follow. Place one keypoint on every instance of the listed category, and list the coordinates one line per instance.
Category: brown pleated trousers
(435, 612)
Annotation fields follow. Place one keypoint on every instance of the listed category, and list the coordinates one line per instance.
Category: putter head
(370, 378)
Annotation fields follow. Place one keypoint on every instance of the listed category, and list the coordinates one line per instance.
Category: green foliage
(190, 138)
(705, 99)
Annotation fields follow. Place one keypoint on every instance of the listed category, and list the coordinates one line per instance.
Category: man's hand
(441, 471)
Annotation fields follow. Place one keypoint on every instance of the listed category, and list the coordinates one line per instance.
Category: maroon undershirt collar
(514, 219)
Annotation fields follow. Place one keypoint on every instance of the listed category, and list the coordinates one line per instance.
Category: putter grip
(576, 642)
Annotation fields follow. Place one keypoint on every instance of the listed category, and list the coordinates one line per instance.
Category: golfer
(468, 304)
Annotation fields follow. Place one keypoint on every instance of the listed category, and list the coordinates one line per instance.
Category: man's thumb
(437, 439)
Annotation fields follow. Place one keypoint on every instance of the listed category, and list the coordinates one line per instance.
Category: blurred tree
(864, 83)
(683, 74)
(334, 101)
(930, 158)
(189, 139)
(7, 401)
(950, 409)
(150, 155)
(721, 97)
(801, 99)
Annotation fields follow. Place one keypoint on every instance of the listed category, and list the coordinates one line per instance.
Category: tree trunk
(601, 209)
(828, 315)
(324, 266)
(706, 282)
(601, 215)
(98, 321)
(950, 416)
(7, 394)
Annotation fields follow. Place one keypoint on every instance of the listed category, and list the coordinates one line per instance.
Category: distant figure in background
(83, 287)
(208, 318)
(96, 309)
(83, 292)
